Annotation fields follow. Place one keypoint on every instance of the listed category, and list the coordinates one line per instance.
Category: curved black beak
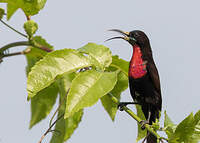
(120, 31)
(126, 35)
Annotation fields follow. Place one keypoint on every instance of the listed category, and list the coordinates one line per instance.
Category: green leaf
(168, 121)
(38, 40)
(42, 104)
(30, 27)
(52, 65)
(196, 134)
(29, 7)
(169, 126)
(122, 84)
(67, 126)
(108, 104)
(2, 12)
(36, 54)
(33, 56)
(87, 88)
(186, 130)
(71, 124)
(64, 84)
(183, 130)
(98, 54)
(141, 133)
(120, 64)
(11, 9)
(123, 66)
(197, 118)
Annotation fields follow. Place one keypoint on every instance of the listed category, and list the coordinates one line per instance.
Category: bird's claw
(143, 123)
(121, 105)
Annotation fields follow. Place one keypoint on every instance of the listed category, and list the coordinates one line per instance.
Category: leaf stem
(13, 29)
(28, 17)
(34, 44)
(62, 102)
(17, 53)
(134, 116)
(49, 129)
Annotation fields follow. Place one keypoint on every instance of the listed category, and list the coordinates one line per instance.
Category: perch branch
(134, 116)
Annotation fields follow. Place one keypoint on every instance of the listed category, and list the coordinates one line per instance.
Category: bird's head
(134, 37)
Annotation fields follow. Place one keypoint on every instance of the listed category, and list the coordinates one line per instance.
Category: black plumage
(145, 90)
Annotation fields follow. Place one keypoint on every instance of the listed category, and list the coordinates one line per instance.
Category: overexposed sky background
(172, 27)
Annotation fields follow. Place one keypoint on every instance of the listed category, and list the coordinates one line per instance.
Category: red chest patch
(137, 67)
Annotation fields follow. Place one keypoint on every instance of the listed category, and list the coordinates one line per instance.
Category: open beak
(126, 35)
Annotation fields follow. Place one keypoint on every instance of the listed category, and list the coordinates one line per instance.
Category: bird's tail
(151, 138)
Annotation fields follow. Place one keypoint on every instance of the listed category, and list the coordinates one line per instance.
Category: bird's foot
(121, 105)
(143, 123)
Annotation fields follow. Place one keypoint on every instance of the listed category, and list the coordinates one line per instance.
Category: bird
(144, 81)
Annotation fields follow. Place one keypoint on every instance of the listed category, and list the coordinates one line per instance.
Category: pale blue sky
(173, 29)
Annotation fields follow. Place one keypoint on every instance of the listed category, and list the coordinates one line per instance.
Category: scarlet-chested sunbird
(144, 82)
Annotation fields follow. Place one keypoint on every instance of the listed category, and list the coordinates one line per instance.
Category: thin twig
(13, 29)
(62, 102)
(24, 43)
(57, 131)
(13, 54)
(28, 17)
(49, 129)
(17, 53)
(52, 124)
(20, 43)
(14, 44)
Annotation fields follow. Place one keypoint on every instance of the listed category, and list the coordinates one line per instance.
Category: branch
(14, 29)
(26, 51)
(134, 116)
(15, 44)
(49, 129)
(22, 43)
(52, 124)
(62, 102)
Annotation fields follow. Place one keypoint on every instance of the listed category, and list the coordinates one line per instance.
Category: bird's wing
(153, 72)
(132, 90)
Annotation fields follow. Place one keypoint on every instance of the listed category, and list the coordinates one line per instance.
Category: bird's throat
(137, 67)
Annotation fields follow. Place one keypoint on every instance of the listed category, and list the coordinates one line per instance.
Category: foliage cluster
(79, 78)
